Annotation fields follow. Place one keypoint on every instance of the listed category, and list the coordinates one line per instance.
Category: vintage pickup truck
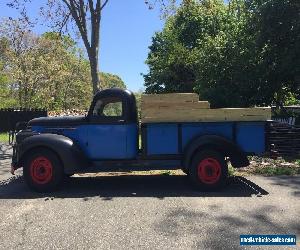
(50, 148)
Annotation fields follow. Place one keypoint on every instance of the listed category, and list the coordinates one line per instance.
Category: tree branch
(91, 5)
(103, 5)
(82, 15)
(67, 3)
(64, 22)
(79, 19)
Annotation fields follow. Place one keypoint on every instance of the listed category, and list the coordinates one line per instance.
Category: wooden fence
(288, 115)
(9, 117)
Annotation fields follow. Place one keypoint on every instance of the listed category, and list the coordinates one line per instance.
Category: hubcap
(209, 170)
(41, 170)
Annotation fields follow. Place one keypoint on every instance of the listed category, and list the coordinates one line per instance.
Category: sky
(126, 31)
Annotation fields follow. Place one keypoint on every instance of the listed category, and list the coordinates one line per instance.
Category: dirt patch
(152, 172)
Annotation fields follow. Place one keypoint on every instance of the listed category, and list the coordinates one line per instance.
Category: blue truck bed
(172, 138)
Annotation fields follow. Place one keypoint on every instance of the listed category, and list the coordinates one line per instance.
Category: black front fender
(237, 157)
(70, 153)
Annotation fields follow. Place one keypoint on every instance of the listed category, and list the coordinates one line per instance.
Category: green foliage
(111, 81)
(113, 109)
(138, 96)
(47, 71)
(3, 137)
(5, 89)
(242, 53)
(166, 173)
(231, 170)
(271, 171)
(291, 99)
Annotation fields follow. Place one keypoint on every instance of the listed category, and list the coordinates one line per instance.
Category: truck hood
(62, 121)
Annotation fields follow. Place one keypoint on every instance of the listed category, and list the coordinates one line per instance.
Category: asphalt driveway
(144, 212)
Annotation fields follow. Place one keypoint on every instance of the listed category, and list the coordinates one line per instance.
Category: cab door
(109, 132)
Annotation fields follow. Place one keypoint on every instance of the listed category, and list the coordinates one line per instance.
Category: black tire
(208, 170)
(43, 170)
(67, 178)
(186, 171)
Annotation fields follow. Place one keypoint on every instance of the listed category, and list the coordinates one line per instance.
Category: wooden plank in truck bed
(207, 115)
(148, 107)
(172, 97)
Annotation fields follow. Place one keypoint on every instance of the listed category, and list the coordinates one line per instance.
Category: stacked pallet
(186, 107)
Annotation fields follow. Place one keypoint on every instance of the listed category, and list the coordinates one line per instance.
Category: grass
(270, 167)
(231, 170)
(3, 137)
(166, 173)
(271, 171)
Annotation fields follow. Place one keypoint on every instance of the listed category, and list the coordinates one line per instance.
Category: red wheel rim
(41, 170)
(209, 170)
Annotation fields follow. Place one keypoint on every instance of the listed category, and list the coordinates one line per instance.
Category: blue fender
(214, 142)
(71, 155)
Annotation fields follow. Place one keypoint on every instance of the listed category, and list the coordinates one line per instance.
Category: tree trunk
(20, 92)
(94, 72)
(78, 10)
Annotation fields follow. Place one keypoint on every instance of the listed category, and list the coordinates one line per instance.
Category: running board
(132, 165)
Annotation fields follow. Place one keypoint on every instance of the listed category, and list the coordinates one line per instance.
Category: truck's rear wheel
(208, 170)
(43, 171)
(186, 171)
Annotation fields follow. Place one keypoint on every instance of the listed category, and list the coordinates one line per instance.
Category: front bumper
(16, 139)
(12, 170)
(15, 160)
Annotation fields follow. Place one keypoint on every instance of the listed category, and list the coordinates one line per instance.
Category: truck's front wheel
(208, 170)
(42, 170)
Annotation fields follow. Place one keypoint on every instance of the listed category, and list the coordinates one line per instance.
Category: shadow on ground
(287, 181)
(108, 187)
(224, 234)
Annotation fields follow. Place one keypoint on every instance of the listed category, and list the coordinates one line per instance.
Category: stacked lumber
(186, 107)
